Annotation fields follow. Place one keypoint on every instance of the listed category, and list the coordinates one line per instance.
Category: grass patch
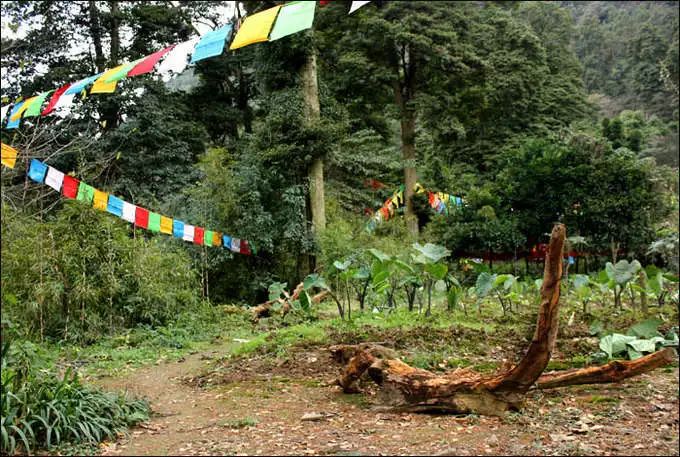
(278, 341)
(599, 399)
(238, 423)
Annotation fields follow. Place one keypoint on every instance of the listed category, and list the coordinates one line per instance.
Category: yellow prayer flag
(100, 86)
(27, 104)
(217, 239)
(255, 28)
(166, 225)
(9, 156)
(101, 200)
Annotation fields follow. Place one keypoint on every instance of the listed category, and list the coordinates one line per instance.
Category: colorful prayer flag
(198, 235)
(120, 72)
(85, 192)
(115, 206)
(16, 114)
(70, 187)
(208, 238)
(245, 249)
(8, 156)
(129, 212)
(54, 178)
(37, 171)
(100, 200)
(166, 225)
(154, 222)
(3, 112)
(78, 87)
(211, 44)
(255, 28)
(35, 108)
(226, 241)
(177, 59)
(217, 239)
(14, 124)
(294, 17)
(236, 245)
(356, 5)
(188, 233)
(51, 105)
(141, 217)
(147, 64)
(177, 228)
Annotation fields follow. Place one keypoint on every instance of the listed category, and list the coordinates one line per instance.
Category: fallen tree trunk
(265, 309)
(466, 391)
(615, 371)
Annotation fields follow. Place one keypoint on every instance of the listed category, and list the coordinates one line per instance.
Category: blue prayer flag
(12, 124)
(211, 44)
(226, 241)
(177, 228)
(115, 206)
(78, 87)
(37, 171)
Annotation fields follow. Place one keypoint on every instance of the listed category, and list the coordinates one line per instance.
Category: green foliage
(642, 338)
(80, 274)
(40, 411)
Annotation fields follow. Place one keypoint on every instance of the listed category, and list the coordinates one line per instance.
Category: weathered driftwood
(265, 309)
(466, 391)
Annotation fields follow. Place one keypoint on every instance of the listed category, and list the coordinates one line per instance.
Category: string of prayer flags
(70, 187)
(293, 17)
(85, 192)
(100, 200)
(54, 178)
(255, 28)
(356, 5)
(108, 81)
(52, 104)
(15, 116)
(37, 171)
(115, 206)
(149, 62)
(8, 156)
(211, 44)
(177, 59)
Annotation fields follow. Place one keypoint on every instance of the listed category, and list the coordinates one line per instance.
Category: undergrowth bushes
(40, 410)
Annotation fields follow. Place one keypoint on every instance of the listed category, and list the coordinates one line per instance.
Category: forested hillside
(408, 155)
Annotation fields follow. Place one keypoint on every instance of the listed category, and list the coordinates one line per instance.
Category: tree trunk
(96, 32)
(310, 91)
(115, 33)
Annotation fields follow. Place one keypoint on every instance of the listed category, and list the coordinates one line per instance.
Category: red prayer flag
(146, 65)
(198, 235)
(142, 217)
(324, 2)
(70, 187)
(245, 249)
(54, 99)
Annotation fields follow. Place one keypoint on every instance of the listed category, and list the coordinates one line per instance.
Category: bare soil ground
(258, 406)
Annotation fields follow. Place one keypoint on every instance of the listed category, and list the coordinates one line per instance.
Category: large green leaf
(643, 345)
(276, 289)
(645, 329)
(379, 255)
(437, 270)
(580, 281)
(623, 272)
(361, 273)
(314, 280)
(615, 343)
(342, 266)
(404, 266)
(433, 252)
(484, 284)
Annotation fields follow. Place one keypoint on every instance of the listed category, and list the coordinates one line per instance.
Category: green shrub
(38, 410)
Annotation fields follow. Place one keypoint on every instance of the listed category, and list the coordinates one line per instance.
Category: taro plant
(500, 286)
(619, 276)
(642, 338)
(582, 290)
(429, 257)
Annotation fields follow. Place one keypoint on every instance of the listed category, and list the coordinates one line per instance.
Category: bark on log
(615, 371)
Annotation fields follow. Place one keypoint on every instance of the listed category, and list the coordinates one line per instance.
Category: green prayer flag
(35, 108)
(293, 17)
(154, 222)
(208, 238)
(122, 72)
(85, 192)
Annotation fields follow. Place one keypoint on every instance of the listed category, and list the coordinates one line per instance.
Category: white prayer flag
(188, 233)
(177, 59)
(356, 5)
(236, 244)
(129, 211)
(54, 179)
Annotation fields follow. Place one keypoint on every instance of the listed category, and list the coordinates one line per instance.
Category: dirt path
(262, 414)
